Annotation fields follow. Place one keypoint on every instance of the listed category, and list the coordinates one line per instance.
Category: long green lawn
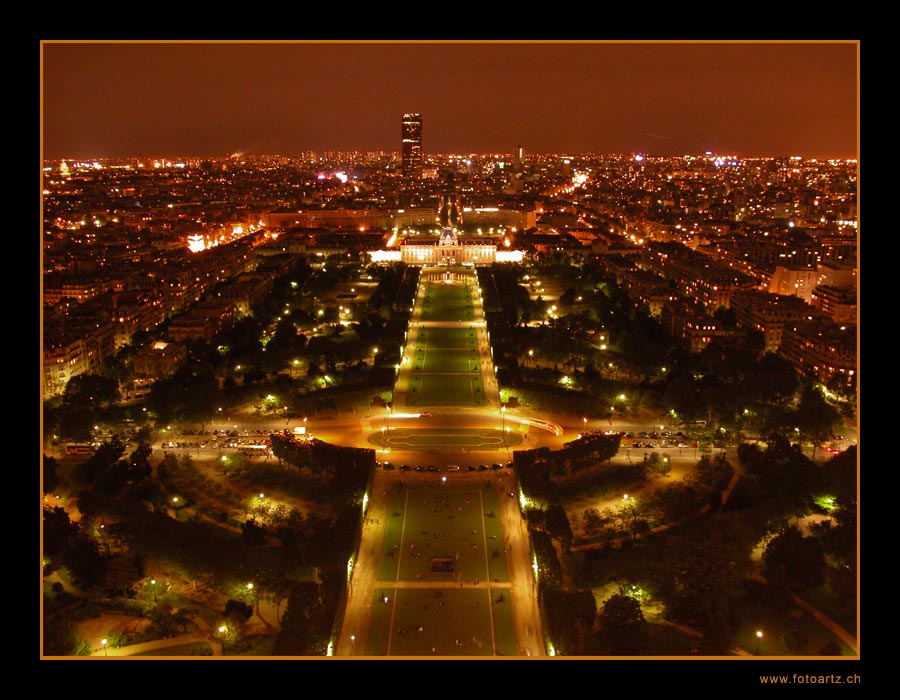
(446, 390)
(456, 616)
(446, 366)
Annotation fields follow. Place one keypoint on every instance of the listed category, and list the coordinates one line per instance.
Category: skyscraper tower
(411, 146)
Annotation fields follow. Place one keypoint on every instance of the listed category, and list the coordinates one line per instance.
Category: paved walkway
(146, 647)
(93, 631)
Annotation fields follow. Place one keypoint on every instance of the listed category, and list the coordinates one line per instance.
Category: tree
(139, 466)
(700, 569)
(85, 562)
(102, 462)
(793, 640)
(631, 513)
(785, 474)
(238, 611)
(191, 394)
(592, 519)
(623, 629)
(815, 417)
(795, 557)
(550, 573)
(58, 531)
(557, 525)
(536, 518)
(120, 574)
(90, 391)
(773, 380)
(656, 465)
(295, 636)
(570, 616)
(251, 533)
(50, 479)
(61, 636)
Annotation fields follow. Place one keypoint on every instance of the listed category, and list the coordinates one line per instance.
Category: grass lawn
(447, 303)
(447, 337)
(450, 360)
(460, 526)
(446, 390)
(446, 367)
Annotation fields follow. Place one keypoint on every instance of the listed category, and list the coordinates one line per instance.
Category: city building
(837, 302)
(793, 281)
(131, 243)
(448, 249)
(827, 351)
(411, 146)
(156, 361)
(769, 314)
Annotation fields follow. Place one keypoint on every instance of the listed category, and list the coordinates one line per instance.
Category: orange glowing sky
(103, 100)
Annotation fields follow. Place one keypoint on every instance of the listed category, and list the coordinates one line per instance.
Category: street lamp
(104, 644)
(759, 636)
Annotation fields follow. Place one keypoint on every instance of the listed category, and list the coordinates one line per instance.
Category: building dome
(448, 237)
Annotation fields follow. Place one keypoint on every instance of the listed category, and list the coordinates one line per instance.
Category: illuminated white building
(798, 282)
(448, 250)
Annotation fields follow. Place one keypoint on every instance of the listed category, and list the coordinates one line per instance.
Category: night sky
(107, 100)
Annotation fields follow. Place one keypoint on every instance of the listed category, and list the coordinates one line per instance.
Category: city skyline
(751, 99)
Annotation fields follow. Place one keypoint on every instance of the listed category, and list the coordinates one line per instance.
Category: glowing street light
(759, 636)
(105, 646)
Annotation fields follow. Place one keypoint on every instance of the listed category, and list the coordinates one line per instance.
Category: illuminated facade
(827, 351)
(411, 146)
(448, 250)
